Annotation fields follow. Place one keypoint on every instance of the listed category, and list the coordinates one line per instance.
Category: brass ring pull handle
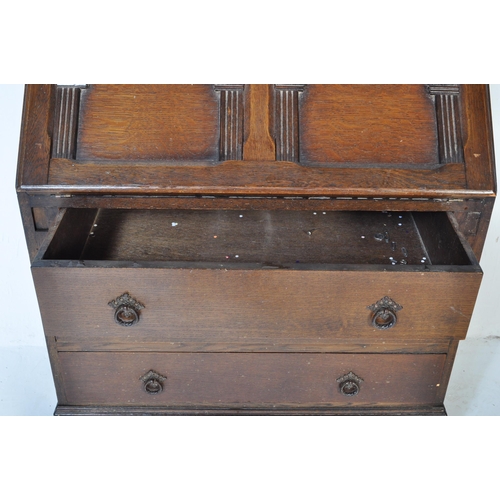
(126, 316)
(153, 387)
(152, 382)
(349, 384)
(349, 388)
(384, 313)
(384, 319)
(126, 310)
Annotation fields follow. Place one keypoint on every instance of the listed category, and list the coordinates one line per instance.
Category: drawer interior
(258, 237)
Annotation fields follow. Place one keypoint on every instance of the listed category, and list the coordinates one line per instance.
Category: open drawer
(252, 280)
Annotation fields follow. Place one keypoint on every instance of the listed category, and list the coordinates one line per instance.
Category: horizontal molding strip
(262, 178)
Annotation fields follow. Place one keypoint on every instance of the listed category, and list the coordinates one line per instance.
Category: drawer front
(194, 308)
(249, 379)
(212, 307)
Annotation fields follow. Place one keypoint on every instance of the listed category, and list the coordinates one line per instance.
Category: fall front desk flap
(297, 139)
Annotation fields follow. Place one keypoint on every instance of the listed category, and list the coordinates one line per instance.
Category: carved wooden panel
(448, 122)
(368, 124)
(66, 121)
(382, 140)
(286, 103)
(150, 123)
(231, 122)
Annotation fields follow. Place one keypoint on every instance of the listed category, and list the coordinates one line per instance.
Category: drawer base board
(62, 410)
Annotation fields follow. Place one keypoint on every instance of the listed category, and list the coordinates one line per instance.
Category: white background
(26, 386)
(257, 42)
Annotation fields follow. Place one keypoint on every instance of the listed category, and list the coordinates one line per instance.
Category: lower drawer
(249, 379)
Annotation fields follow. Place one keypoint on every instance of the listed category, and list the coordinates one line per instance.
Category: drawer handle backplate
(349, 384)
(126, 310)
(384, 313)
(152, 382)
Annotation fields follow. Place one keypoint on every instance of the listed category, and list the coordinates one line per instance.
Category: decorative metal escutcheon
(384, 313)
(126, 310)
(152, 382)
(349, 384)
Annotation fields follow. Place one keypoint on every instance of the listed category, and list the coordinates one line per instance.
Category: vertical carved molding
(66, 121)
(448, 122)
(231, 122)
(286, 99)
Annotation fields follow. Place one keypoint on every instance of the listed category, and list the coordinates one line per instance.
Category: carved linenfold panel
(231, 122)
(286, 101)
(448, 122)
(66, 121)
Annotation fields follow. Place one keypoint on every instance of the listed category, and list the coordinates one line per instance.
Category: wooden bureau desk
(255, 249)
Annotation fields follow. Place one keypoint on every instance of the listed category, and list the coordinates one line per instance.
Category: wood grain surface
(368, 124)
(250, 379)
(247, 220)
(218, 306)
(269, 238)
(149, 122)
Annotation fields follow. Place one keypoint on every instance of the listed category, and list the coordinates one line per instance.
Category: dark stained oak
(66, 120)
(148, 122)
(331, 345)
(36, 128)
(473, 221)
(354, 139)
(251, 247)
(251, 379)
(478, 140)
(244, 307)
(259, 145)
(264, 178)
(390, 124)
(275, 410)
(266, 237)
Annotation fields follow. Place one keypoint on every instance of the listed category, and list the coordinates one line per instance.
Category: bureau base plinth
(62, 410)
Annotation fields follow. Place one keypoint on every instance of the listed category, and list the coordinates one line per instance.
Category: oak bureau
(255, 249)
